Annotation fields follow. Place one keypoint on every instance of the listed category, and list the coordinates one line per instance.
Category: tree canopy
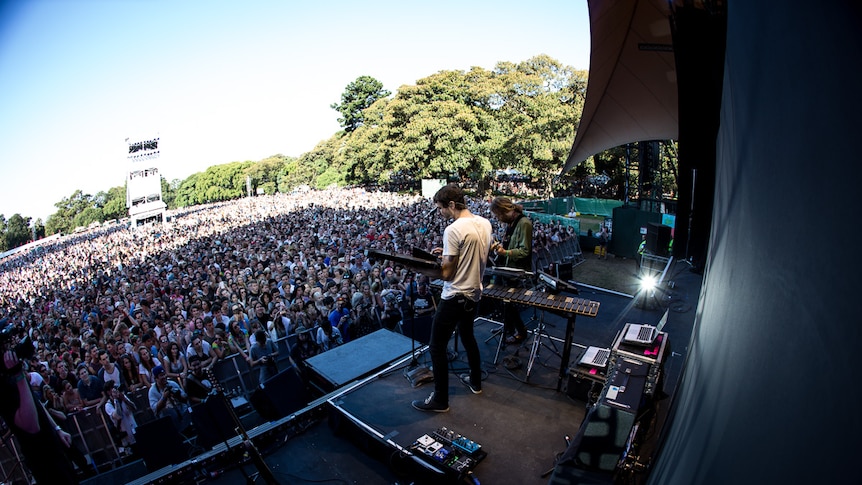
(359, 95)
(16, 231)
(451, 124)
(467, 124)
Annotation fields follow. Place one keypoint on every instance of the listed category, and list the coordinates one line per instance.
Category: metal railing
(92, 432)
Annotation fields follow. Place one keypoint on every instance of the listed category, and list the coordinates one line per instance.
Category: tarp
(631, 92)
(597, 207)
(565, 205)
(770, 385)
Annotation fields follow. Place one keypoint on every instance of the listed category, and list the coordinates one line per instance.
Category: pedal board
(457, 454)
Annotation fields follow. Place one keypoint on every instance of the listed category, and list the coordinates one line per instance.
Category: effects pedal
(457, 441)
(457, 454)
(466, 445)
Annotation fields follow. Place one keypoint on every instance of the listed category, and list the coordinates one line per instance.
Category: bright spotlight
(648, 283)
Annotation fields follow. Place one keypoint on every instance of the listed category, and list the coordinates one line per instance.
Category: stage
(364, 431)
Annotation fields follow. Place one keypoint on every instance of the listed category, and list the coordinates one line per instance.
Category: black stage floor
(521, 422)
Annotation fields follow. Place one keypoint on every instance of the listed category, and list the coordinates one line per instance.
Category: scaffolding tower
(143, 182)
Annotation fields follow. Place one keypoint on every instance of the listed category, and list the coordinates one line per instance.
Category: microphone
(430, 212)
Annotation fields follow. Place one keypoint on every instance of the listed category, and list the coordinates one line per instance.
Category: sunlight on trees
(460, 124)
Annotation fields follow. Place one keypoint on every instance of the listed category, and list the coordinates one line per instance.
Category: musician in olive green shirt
(517, 252)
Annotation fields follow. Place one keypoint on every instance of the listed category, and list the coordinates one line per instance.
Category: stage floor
(520, 422)
(521, 425)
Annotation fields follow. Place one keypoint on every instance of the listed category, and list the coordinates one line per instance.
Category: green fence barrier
(566, 205)
(535, 205)
(555, 219)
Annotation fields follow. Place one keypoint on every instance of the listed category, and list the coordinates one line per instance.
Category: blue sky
(225, 81)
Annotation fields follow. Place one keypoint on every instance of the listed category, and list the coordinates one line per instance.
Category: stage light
(648, 283)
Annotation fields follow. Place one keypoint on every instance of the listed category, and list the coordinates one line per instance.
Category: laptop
(595, 357)
(644, 334)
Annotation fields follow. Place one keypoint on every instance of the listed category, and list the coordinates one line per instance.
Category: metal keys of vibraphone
(548, 301)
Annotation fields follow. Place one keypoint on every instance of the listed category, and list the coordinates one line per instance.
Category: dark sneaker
(465, 379)
(430, 404)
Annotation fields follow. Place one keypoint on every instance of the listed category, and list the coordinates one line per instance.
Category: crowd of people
(118, 309)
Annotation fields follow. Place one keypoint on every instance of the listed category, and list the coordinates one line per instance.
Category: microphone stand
(414, 363)
(417, 374)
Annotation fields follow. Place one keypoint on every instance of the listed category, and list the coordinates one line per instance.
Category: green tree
(365, 151)
(264, 174)
(452, 123)
(186, 194)
(3, 233)
(357, 96)
(215, 184)
(311, 166)
(88, 216)
(613, 163)
(63, 221)
(541, 106)
(169, 192)
(437, 127)
(114, 206)
(670, 167)
(286, 181)
(39, 228)
(17, 231)
(225, 182)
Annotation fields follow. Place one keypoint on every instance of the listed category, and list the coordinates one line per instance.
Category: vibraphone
(557, 303)
(567, 306)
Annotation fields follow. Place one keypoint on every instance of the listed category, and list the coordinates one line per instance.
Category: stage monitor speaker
(159, 444)
(213, 422)
(356, 359)
(419, 327)
(280, 395)
(658, 238)
(122, 474)
(563, 270)
(604, 438)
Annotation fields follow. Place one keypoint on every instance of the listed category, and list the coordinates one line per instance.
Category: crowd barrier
(567, 250)
(92, 432)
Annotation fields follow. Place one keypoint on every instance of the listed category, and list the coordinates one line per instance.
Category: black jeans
(512, 321)
(458, 312)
